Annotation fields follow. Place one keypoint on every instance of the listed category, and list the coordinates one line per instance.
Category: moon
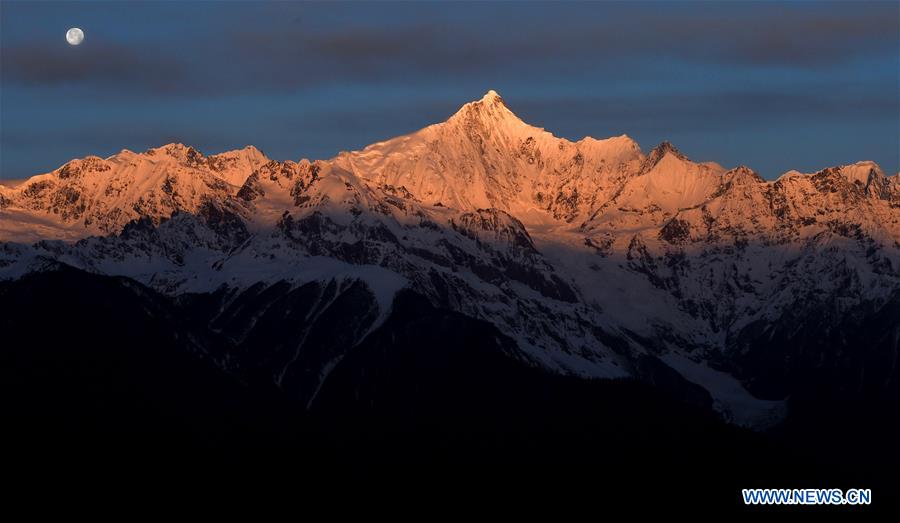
(74, 36)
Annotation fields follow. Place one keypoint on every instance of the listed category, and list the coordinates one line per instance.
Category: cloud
(494, 41)
(785, 36)
(532, 43)
(119, 66)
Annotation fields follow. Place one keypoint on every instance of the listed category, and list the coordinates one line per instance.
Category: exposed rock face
(595, 259)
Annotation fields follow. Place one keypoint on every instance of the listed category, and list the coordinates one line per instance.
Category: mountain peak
(491, 96)
(488, 112)
(867, 175)
(176, 150)
(743, 175)
(665, 147)
(173, 146)
(658, 153)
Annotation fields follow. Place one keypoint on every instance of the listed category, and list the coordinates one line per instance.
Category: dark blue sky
(772, 85)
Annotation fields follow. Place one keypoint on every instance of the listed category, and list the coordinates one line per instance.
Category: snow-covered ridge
(95, 195)
(482, 157)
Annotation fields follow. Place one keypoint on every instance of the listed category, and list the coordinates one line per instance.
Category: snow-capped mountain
(595, 259)
(99, 196)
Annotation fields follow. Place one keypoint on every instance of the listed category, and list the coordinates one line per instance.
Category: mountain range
(588, 259)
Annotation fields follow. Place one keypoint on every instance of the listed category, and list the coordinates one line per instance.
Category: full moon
(74, 36)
